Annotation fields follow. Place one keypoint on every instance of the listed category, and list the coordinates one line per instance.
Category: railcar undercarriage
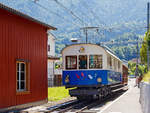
(96, 92)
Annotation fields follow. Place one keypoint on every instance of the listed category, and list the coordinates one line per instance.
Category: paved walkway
(127, 103)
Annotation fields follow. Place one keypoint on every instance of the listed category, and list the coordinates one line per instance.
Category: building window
(95, 61)
(71, 62)
(82, 61)
(22, 76)
(48, 48)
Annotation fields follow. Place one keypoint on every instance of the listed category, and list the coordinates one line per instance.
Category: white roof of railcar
(107, 51)
(125, 65)
(112, 55)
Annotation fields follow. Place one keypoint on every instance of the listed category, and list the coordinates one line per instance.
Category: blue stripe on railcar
(113, 77)
(90, 77)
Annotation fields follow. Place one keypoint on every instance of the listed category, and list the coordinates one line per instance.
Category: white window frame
(95, 55)
(66, 62)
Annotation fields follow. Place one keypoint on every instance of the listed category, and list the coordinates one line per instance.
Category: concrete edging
(145, 97)
(22, 106)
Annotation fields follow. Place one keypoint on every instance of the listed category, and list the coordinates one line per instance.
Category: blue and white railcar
(90, 66)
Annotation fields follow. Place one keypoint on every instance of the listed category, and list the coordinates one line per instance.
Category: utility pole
(85, 29)
(86, 34)
(137, 72)
(148, 35)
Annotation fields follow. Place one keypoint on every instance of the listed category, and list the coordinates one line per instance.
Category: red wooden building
(23, 59)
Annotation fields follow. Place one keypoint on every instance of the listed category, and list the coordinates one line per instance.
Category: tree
(132, 68)
(143, 50)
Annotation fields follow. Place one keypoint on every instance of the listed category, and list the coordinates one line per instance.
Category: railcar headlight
(67, 79)
(99, 79)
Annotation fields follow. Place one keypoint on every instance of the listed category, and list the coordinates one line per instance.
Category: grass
(57, 93)
(146, 77)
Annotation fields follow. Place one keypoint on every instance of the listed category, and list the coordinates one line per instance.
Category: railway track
(85, 105)
(62, 106)
(74, 108)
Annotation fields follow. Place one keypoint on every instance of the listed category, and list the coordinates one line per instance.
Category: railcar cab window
(82, 61)
(22, 76)
(71, 62)
(95, 61)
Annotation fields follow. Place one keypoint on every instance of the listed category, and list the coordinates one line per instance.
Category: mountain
(115, 18)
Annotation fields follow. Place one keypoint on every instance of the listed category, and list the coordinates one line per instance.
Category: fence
(145, 97)
(54, 77)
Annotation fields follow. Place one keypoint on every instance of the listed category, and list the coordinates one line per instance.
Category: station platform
(127, 103)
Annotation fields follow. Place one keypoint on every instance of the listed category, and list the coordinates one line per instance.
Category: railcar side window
(118, 64)
(82, 61)
(115, 64)
(95, 61)
(109, 62)
(71, 62)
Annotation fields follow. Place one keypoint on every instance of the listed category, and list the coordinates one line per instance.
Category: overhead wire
(68, 10)
(91, 11)
(71, 12)
(84, 14)
(100, 25)
(46, 9)
(87, 15)
(79, 34)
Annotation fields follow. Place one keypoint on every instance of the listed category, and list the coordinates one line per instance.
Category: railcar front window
(95, 61)
(83, 62)
(71, 62)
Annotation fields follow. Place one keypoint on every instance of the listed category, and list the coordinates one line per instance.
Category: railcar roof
(107, 51)
(125, 65)
(2, 6)
(112, 55)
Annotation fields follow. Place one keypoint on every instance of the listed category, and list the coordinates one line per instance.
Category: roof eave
(26, 16)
